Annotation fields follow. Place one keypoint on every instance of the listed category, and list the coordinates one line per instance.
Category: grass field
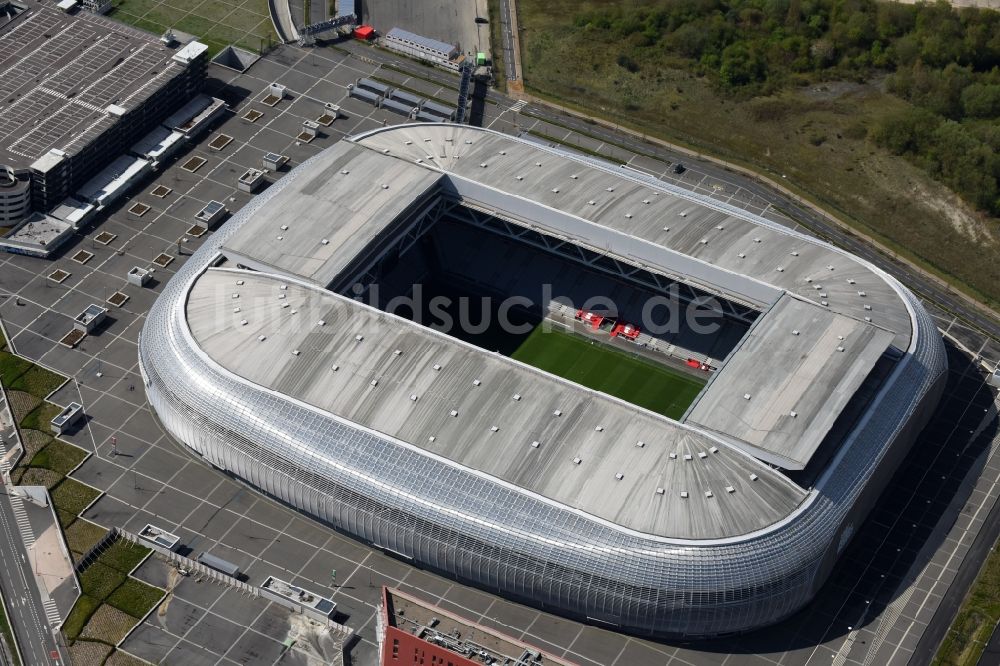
(811, 139)
(597, 366)
(217, 23)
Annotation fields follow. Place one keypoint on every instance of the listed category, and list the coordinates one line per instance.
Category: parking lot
(873, 611)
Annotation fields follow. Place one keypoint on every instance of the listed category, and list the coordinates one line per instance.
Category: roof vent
(708, 493)
(577, 461)
(659, 491)
(295, 352)
(753, 477)
(437, 366)
(413, 397)
(516, 397)
(535, 444)
(640, 443)
(684, 494)
(335, 367)
(454, 412)
(476, 382)
(619, 476)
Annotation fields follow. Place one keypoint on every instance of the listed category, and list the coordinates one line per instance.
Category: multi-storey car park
(76, 90)
(270, 353)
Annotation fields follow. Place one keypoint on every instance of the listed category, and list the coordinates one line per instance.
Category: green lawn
(600, 367)
(217, 23)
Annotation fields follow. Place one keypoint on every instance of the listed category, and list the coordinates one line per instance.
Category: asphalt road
(509, 61)
(24, 603)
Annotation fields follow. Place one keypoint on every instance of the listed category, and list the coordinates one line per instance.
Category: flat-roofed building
(77, 90)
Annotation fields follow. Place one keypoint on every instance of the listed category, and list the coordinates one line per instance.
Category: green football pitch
(597, 366)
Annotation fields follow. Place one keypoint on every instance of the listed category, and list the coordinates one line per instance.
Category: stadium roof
(65, 78)
(344, 203)
(803, 360)
(366, 382)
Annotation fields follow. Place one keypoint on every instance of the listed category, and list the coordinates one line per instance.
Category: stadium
(604, 455)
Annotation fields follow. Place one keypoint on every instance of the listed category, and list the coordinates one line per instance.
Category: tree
(981, 100)
(741, 66)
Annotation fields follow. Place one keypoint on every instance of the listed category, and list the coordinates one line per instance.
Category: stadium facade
(258, 358)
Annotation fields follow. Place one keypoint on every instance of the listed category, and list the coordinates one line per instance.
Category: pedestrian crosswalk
(21, 516)
(51, 611)
(518, 105)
